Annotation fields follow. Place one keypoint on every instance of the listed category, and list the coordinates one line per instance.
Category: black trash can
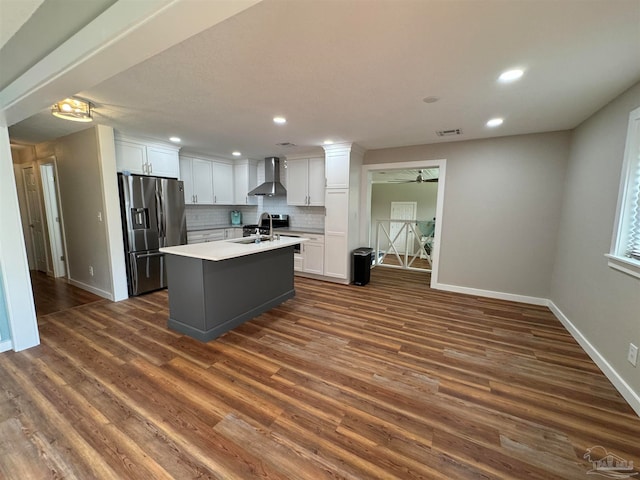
(362, 265)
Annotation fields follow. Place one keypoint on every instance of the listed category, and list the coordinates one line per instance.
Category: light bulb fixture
(495, 122)
(74, 109)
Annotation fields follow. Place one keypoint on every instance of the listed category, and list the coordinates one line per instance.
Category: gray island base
(208, 298)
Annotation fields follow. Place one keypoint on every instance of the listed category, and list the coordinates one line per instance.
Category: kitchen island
(216, 286)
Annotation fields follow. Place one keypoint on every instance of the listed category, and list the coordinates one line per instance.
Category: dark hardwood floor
(389, 380)
(55, 294)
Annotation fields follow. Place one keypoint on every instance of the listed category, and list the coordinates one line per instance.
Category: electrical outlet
(632, 356)
(90, 270)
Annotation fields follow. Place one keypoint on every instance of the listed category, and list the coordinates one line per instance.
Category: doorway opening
(402, 205)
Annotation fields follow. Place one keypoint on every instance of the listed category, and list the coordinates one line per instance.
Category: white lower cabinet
(213, 235)
(314, 255)
(203, 236)
(311, 256)
(232, 233)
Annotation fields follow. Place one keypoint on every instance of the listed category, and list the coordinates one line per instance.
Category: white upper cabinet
(245, 174)
(144, 158)
(305, 181)
(222, 183)
(162, 162)
(337, 171)
(197, 176)
(206, 182)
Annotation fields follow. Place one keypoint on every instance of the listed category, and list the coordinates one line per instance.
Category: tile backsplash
(203, 216)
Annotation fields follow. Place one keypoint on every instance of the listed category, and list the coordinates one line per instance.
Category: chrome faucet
(270, 223)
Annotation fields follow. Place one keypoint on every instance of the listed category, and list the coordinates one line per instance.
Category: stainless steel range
(279, 221)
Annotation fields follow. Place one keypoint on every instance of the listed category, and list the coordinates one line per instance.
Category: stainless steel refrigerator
(153, 216)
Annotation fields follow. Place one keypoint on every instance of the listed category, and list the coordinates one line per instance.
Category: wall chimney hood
(271, 186)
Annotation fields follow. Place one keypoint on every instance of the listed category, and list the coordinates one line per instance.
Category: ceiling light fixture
(510, 75)
(174, 139)
(279, 120)
(495, 122)
(430, 99)
(74, 109)
(328, 142)
(236, 154)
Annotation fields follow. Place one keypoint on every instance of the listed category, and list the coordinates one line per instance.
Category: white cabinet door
(336, 224)
(305, 182)
(316, 182)
(337, 170)
(131, 157)
(222, 183)
(230, 233)
(162, 162)
(314, 256)
(186, 175)
(297, 178)
(245, 178)
(202, 171)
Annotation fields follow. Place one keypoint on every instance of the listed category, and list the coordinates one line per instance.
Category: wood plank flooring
(55, 294)
(389, 380)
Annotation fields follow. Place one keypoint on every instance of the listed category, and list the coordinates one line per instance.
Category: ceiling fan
(419, 179)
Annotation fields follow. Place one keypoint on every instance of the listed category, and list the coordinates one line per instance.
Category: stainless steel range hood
(271, 186)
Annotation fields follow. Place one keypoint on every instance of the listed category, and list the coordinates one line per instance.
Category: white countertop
(226, 249)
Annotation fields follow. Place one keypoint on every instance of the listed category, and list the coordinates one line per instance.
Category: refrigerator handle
(160, 215)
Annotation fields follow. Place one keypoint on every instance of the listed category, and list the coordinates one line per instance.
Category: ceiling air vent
(286, 144)
(449, 133)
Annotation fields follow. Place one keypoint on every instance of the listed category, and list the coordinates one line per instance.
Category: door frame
(365, 202)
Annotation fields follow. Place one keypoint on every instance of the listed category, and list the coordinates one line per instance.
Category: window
(625, 247)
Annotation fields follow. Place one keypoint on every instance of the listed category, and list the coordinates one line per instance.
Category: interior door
(36, 228)
(50, 192)
(402, 211)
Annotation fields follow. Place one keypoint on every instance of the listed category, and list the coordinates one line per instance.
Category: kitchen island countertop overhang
(228, 249)
(216, 286)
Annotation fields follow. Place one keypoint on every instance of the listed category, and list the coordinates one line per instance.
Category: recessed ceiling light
(495, 122)
(510, 75)
(174, 139)
(279, 120)
(236, 154)
(328, 142)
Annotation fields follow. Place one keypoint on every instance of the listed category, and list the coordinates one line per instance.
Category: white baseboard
(89, 288)
(491, 294)
(632, 398)
(6, 345)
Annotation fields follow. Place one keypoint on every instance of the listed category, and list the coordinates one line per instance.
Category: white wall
(602, 303)
(14, 276)
(501, 209)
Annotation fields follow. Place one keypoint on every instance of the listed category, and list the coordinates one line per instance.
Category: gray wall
(501, 209)
(382, 194)
(604, 304)
(80, 184)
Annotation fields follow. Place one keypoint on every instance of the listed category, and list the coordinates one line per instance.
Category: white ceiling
(357, 71)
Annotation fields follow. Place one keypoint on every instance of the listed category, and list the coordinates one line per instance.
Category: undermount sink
(248, 240)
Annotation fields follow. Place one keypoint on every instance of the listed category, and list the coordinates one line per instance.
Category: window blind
(630, 226)
(632, 249)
